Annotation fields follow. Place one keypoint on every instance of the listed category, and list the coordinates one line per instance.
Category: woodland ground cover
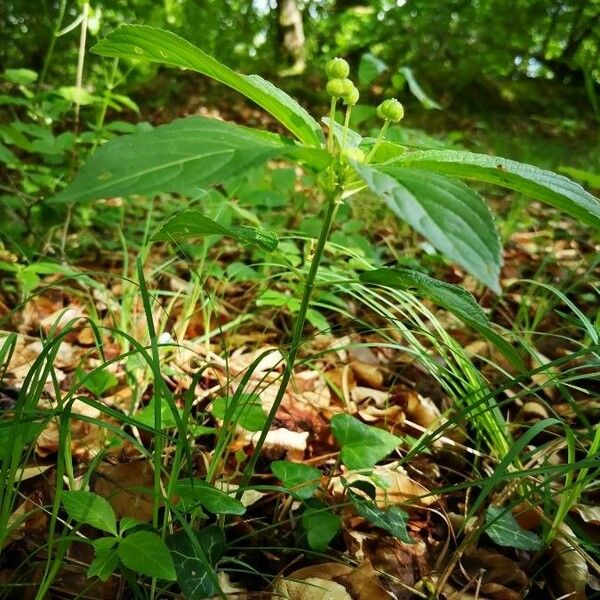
(247, 354)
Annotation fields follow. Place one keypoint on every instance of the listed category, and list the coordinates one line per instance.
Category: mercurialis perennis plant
(424, 188)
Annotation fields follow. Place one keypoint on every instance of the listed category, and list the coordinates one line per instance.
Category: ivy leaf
(503, 529)
(450, 215)
(362, 445)
(393, 519)
(146, 553)
(89, 508)
(300, 480)
(196, 491)
(321, 525)
(193, 573)
(157, 45)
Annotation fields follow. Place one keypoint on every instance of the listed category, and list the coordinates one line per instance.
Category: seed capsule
(351, 96)
(336, 88)
(337, 68)
(390, 110)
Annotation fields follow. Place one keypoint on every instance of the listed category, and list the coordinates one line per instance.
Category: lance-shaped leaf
(193, 224)
(453, 298)
(556, 190)
(170, 158)
(158, 45)
(454, 218)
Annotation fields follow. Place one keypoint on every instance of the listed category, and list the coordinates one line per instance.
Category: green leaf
(556, 190)
(97, 381)
(407, 74)
(192, 570)
(369, 68)
(193, 224)
(106, 558)
(362, 445)
(170, 158)
(89, 508)
(196, 491)
(301, 480)
(146, 553)
(167, 421)
(451, 297)
(7, 157)
(353, 138)
(20, 76)
(503, 529)
(454, 218)
(248, 412)
(321, 525)
(158, 45)
(393, 519)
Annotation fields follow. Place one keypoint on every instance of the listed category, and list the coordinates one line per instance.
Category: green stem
(346, 125)
(331, 124)
(48, 57)
(378, 141)
(332, 206)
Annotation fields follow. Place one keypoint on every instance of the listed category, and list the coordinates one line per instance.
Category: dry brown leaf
(367, 374)
(363, 583)
(568, 568)
(400, 488)
(589, 514)
(128, 487)
(312, 588)
(27, 518)
(423, 411)
(404, 564)
(62, 317)
(87, 439)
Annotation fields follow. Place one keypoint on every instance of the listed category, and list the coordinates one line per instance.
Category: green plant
(423, 188)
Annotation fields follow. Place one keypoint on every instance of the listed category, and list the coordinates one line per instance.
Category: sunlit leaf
(158, 45)
(451, 216)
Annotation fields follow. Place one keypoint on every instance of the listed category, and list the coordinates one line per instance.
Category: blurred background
(520, 78)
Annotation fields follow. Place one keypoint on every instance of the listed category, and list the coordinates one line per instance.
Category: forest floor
(223, 315)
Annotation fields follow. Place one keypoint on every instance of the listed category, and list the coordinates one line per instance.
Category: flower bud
(336, 87)
(390, 110)
(351, 96)
(337, 68)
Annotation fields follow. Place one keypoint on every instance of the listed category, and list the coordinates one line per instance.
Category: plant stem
(50, 52)
(346, 125)
(378, 141)
(331, 125)
(331, 210)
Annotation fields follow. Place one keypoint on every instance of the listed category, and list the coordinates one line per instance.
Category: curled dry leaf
(589, 514)
(367, 374)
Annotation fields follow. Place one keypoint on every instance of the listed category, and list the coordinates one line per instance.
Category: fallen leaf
(312, 588)
(128, 487)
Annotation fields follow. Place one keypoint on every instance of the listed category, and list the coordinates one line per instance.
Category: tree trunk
(291, 37)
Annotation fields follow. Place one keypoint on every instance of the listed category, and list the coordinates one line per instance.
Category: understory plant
(423, 188)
